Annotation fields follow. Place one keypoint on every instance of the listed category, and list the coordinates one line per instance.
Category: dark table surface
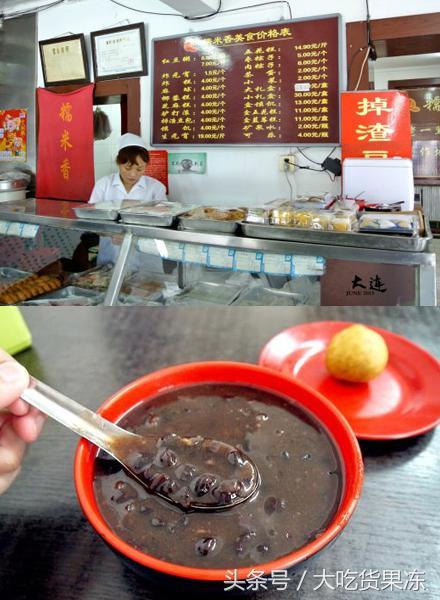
(49, 551)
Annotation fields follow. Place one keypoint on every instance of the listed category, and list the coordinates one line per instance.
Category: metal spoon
(194, 473)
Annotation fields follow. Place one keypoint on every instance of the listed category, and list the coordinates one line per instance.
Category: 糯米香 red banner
(65, 166)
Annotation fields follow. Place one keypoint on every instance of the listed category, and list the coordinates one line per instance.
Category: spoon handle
(73, 415)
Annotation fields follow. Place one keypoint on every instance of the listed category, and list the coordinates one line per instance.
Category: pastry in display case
(97, 278)
(29, 287)
(212, 219)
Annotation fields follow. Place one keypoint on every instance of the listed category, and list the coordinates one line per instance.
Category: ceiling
(14, 6)
(190, 8)
(418, 60)
(408, 46)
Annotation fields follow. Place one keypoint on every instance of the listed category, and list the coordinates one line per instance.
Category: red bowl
(152, 384)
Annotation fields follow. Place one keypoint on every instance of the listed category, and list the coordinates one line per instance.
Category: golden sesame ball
(357, 354)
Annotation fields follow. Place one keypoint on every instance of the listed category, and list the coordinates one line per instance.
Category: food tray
(261, 296)
(96, 279)
(130, 299)
(162, 216)
(141, 291)
(100, 214)
(13, 185)
(10, 275)
(210, 219)
(210, 225)
(68, 296)
(144, 219)
(335, 238)
(209, 293)
(389, 232)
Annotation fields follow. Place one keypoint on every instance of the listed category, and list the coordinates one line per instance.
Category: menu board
(276, 84)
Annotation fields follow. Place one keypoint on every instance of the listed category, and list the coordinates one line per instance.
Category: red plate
(401, 402)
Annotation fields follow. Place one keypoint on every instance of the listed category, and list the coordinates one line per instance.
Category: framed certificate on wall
(64, 60)
(119, 52)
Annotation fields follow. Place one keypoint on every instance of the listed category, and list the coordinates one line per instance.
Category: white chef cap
(130, 139)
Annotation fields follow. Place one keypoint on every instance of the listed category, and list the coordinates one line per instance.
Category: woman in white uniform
(129, 183)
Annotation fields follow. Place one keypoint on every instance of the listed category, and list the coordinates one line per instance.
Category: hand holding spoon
(194, 473)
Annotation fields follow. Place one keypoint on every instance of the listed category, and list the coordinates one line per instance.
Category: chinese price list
(261, 85)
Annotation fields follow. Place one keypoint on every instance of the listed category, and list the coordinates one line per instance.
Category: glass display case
(51, 254)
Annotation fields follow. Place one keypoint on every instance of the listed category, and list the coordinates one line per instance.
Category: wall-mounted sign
(375, 125)
(187, 163)
(64, 60)
(13, 132)
(424, 106)
(276, 83)
(119, 52)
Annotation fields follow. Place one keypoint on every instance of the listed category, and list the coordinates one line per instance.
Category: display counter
(360, 275)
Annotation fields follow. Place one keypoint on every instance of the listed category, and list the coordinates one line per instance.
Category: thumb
(13, 380)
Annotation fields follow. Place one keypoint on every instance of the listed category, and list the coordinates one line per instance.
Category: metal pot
(12, 196)
(12, 185)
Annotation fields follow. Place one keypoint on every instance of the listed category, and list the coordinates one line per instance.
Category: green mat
(14, 333)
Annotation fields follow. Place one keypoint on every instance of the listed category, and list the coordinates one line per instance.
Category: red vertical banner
(65, 167)
(158, 166)
(375, 125)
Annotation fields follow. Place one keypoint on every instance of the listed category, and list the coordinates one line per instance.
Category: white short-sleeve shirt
(110, 189)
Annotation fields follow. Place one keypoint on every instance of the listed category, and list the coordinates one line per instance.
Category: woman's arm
(98, 192)
(160, 192)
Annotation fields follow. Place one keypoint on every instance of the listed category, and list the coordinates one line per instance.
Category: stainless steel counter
(59, 214)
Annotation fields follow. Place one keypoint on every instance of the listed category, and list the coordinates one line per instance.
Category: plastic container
(258, 215)
(309, 219)
(282, 216)
(343, 220)
(394, 223)
(302, 218)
